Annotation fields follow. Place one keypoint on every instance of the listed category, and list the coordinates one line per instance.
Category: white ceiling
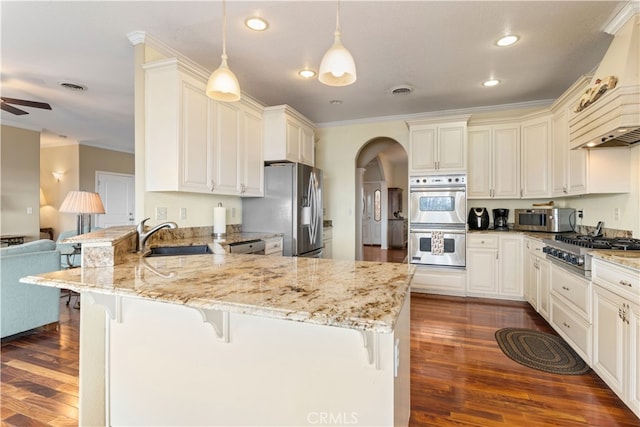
(444, 50)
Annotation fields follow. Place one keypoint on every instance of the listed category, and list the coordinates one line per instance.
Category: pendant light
(223, 84)
(337, 67)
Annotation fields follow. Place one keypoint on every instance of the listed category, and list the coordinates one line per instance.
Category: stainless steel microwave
(552, 220)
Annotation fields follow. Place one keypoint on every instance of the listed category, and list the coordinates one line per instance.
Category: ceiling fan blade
(14, 110)
(26, 103)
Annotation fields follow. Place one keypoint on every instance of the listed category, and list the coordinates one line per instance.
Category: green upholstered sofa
(22, 306)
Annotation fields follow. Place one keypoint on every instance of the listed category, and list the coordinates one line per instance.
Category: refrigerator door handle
(312, 198)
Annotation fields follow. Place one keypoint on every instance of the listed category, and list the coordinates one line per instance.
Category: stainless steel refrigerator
(292, 205)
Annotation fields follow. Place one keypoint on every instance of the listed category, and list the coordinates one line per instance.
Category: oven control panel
(437, 180)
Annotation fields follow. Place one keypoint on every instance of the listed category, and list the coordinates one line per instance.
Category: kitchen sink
(179, 250)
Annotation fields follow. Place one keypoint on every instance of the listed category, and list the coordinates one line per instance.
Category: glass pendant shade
(223, 84)
(337, 67)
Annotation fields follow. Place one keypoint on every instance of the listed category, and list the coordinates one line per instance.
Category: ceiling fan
(17, 111)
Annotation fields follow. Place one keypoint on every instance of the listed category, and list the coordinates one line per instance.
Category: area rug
(539, 350)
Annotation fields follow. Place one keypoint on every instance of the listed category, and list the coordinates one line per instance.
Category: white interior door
(118, 197)
(372, 218)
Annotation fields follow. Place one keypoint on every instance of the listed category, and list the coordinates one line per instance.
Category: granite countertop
(540, 235)
(350, 294)
(629, 259)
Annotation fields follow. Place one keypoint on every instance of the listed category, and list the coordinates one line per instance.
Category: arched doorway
(381, 165)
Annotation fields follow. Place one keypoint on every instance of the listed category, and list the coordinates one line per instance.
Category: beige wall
(62, 158)
(19, 182)
(338, 149)
(94, 159)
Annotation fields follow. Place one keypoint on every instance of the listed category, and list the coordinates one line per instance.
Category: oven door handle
(436, 189)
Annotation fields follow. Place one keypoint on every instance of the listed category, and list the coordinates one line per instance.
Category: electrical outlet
(183, 213)
(616, 214)
(161, 213)
(29, 211)
(580, 213)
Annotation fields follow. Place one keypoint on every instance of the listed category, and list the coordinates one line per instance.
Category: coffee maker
(500, 218)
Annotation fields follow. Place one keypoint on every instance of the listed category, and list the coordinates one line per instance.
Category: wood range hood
(613, 120)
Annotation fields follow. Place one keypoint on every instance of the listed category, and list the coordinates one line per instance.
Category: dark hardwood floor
(374, 253)
(459, 376)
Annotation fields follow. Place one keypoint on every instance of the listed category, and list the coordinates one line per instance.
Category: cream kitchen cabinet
(288, 136)
(273, 246)
(571, 310)
(195, 144)
(583, 171)
(438, 146)
(494, 266)
(537, 277)
(536, 157)
(327, 242)
(494, 162)
(616, 330)
(237, 150)
(177, 141)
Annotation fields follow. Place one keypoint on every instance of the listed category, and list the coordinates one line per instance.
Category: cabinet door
(293, 131)
(194, 138)
(535, 158)
(578, 171)
(633, 354)
(560, 154)
(423, 149)
(451, 147)
(482, 272)
(511, 267)
(307, 146)
(226, 148)
(480, 164)
(251, 155)
(544, 288)
(506, 162)
(608, 346)
(531, 290)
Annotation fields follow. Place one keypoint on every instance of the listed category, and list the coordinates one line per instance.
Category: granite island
(229, 339)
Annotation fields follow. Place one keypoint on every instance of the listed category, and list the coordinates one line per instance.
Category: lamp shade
(337, 67)
(223, 84)
(43, 201)
(82, 202)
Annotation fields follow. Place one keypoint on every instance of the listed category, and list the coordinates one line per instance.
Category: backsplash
(606, 232)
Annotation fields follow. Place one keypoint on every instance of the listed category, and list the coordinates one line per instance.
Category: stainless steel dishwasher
(255, 247)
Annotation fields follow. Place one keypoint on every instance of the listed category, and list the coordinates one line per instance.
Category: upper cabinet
(195, 144)
(536, 157)
(583, 171)
(494, 162)
(288, 136)
(438, 145)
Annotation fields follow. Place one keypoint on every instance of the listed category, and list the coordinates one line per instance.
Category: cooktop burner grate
(592, 242)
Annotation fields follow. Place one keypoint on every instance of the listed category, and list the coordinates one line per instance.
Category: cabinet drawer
(535, 248)
(273, 246)
(572, 328)
(615, 278)
(482, 241)
(574, 289)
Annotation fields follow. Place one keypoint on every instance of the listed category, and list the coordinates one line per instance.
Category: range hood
(608, 114)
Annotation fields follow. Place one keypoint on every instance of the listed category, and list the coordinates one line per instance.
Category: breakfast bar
(233, 339)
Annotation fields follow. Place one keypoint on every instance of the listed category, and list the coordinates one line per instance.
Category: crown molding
(621, 17)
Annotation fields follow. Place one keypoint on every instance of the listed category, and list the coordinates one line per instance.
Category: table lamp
(84, 204)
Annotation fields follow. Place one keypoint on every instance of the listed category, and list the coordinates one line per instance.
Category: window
(377, 209)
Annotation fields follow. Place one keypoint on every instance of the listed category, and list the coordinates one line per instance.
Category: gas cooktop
(594, 242)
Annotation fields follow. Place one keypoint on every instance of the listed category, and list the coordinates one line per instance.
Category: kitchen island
(227, 339)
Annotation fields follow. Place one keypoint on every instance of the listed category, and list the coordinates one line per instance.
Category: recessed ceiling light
(335, 102)
(507, 40)
(490, 83)
(257, 24)
(306, 73)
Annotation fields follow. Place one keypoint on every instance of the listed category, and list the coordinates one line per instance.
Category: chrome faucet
(144, 236)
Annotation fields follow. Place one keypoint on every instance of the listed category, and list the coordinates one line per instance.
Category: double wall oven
(437, 220)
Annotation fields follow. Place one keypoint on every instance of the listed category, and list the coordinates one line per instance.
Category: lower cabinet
(616, 331)
(440, 281)
(571, 310)
(494, 266)
(327, 242)
(273, 246)
(537, 277)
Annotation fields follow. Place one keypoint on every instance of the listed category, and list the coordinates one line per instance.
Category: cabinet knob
(566, 288)
(625, 283)
(566, 325)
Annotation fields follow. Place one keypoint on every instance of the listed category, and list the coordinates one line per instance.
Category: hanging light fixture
(223, 84)
(337, 67)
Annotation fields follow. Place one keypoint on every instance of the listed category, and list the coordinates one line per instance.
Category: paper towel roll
(219, 220)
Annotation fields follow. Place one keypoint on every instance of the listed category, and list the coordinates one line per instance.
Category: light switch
(183, 213)
(161, 213)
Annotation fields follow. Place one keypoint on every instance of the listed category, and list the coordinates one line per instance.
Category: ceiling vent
(401, 90)
(73, 86)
